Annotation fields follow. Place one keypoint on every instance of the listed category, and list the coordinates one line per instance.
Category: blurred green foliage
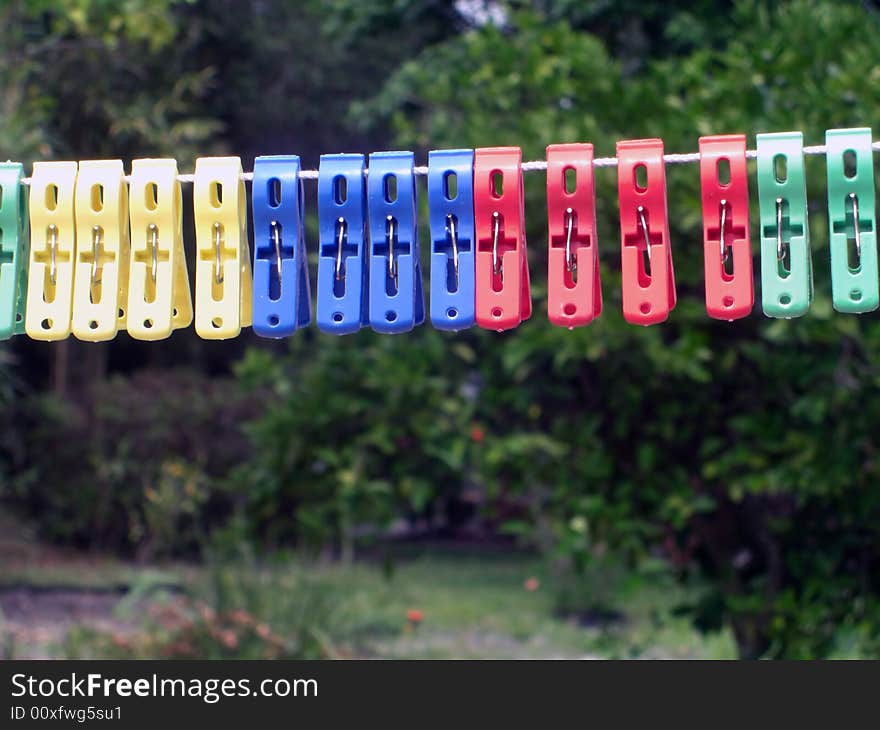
(240, 610)
(747, 449)
(142, 468)
(77, 74)
(744, 453)
(356, 430)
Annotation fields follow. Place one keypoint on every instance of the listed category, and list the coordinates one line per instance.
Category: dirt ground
(45, 591)
(36, 622)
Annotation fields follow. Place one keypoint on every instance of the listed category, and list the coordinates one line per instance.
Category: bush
(744, 452)
(235, 609)
(139, 466)
(358, 430)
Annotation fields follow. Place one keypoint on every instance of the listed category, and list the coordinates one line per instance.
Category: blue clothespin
(451, 205)
(282, 296)
(342, 266)
(396, 298)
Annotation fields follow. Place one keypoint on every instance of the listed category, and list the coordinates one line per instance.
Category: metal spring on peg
(857, 233)
(724, 252)
(453, 239)
(389, 238)
(340, 239)
(643, 223)
(780, 244)
(496, 230)
(53, 252)
(153, 230)
(570, 259)
(218, 253)
(276, 239)
(97, 232)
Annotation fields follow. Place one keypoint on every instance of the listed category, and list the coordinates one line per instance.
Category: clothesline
(530, 166)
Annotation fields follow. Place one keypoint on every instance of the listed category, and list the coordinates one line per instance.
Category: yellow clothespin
(159, 298)
(223, 264)
(100, 283)
(53, 249)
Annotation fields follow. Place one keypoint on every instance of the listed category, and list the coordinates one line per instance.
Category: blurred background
(693, 489)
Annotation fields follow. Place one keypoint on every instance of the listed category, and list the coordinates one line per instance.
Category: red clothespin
(574, 295)
(727, 251)
(646, 254)
(503, 296)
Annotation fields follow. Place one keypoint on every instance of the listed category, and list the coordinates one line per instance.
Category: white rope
(531, 166)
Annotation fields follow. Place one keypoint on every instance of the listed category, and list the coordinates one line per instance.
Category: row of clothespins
(92, 251)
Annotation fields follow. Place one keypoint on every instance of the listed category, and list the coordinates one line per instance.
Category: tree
(747, 449)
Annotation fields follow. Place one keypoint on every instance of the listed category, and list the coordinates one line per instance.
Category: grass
(470, 607)
(476, 604)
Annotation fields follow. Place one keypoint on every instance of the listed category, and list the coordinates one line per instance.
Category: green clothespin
(14, 249)
(854, 276)
(786, 261)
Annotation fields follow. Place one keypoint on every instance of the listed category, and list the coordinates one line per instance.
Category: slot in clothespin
(503, 294)
(727, 250)
(100, 282)
(342, 266)
(282, 297)
(396, 300)
(574, 293)
(224, 293)
(451, 212)
(851, 220)
(53, 250)
(159, 298)
(786, 261)
(14, 247)
(648, 279)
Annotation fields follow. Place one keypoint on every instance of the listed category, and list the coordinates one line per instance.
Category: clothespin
(647, 273)
(574, 294)
(727, 249)
(342, 264)
(282, 297)
(786, 262)
(100, 282)
(396, 299)
(14, 247)
(159, 298)
(451, 209)
(851, 220)
(503, 294)
(224, 293)
(53, 249)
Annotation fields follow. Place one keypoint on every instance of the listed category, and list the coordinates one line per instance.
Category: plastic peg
(574, 292)
(648, 278)
(159, 297)
(396, 300)
(282, 297)
(224, 294)
(342, 265)
(53, 250)
(14, 247)
(503, 293)
(100, 282)
(451, 213)
(851, 220)
(786, 261)
(727, 248)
